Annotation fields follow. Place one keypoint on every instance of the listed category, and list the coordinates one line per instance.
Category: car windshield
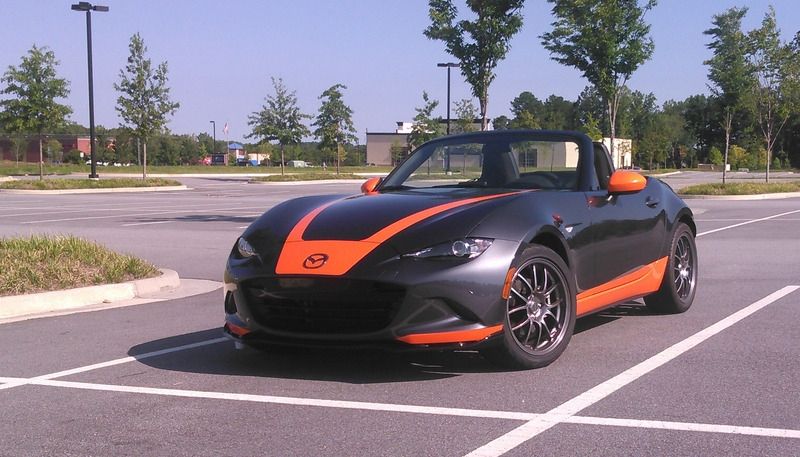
(490, 161)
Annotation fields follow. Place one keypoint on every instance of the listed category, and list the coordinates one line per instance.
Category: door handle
(652, 202)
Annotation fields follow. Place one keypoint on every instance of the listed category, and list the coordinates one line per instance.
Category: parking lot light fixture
(88, 8)
(448, 65)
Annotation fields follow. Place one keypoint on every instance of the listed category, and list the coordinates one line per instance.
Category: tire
(539, 312)
(679, 285)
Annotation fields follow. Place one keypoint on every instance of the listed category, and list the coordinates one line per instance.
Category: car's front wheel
(539, 312)
(680, 277)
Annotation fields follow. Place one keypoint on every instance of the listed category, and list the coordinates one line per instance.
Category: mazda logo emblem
(315, 261)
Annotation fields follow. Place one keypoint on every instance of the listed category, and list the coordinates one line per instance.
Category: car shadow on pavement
(197, 218)
(360, 366)
(629, 309)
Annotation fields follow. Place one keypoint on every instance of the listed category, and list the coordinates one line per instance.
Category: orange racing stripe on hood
(337, 257)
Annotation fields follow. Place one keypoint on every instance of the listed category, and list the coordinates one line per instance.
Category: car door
(627, 229)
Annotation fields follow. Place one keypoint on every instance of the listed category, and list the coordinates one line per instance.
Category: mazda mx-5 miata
(496, 241)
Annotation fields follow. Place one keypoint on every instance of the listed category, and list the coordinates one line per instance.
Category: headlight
(467, 248)
(245, 249)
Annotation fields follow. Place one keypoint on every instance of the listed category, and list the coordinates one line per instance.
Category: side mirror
(623, 181)
(370, 185)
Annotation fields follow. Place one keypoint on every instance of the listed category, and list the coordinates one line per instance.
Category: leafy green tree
(715, 156)
(480, 44)
(607, 40)
(279, 120)
(527, 102)
(590, 106)
(728, 70)
(19, 146)
(465, 116)
(34, 87)
(775, 93)
(592, 129)
(525, 120)
(501, 123)
(55, 151)
(426, 127)
(334, 123)
(144, 102)
(557, 114)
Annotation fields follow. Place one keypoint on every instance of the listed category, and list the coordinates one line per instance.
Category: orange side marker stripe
(462, 336)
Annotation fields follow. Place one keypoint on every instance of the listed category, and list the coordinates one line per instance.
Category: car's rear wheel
(680, 277)
(539, 312)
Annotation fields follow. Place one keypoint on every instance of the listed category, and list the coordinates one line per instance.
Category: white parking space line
(147, 223)
(571, 407)
(111, 363)
(752, 221)
(413, 409)
(686, 426)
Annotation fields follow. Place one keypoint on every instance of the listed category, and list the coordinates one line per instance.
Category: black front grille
(324, 305)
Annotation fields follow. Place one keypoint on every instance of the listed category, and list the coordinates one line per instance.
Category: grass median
(45, 263)
(65, 184)
(741, 188)
(292, 177)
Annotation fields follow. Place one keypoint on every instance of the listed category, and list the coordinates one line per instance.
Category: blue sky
(221, 54)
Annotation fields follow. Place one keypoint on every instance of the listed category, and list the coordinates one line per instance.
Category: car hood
(345, 230)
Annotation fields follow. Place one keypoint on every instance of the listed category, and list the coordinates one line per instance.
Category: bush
(73, 156)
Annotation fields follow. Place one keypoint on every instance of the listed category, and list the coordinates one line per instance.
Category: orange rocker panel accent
(640, 282)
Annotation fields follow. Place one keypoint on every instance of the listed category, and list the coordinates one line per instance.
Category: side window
(546, 165)
(602, 165)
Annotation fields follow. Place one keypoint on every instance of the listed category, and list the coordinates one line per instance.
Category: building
(623, 148)
(31, 151)
(386, 148)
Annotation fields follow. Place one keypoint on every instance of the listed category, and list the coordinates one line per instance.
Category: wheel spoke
(521, 324)
(523, 279)
(521, 297)
(518, 308)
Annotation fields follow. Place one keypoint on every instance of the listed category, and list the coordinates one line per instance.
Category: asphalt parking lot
(157, 379)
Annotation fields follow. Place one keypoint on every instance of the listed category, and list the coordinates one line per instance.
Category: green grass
(62, 184)
(291, 177)
(44, 263)
(741, 188)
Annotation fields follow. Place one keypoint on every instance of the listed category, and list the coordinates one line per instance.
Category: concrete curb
(661, 175)
(6, 178)
(95, 191)
(742, 197)
(19, 305)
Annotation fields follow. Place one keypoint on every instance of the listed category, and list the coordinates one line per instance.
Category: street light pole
(214, 138)
(448, 65)
(88, 7)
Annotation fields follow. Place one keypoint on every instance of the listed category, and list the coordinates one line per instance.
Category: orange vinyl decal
(462, 336)
(301, 257)
(640, 282)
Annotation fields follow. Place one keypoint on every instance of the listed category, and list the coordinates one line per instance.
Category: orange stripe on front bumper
(461, 336)
(236, 330)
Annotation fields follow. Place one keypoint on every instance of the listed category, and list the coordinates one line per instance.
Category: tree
(776, 86)
(526, 101)
(479, 45)
(557, 114)
(728, 70)
(144, 101)
(465, 116)
(334, 123)
(34, 87)
(425, 127)
(525, 120)
(501, 123)
(607, 40)
(279, 120)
